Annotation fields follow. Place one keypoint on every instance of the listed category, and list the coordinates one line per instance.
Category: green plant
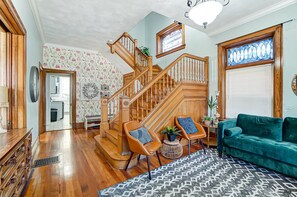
(145, 50)
(171, 131)
(212, 103)
(207, 118)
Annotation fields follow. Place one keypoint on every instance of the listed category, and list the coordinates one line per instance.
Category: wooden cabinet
(15, 161)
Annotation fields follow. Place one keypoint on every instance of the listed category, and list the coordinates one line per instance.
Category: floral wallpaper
(90, 67)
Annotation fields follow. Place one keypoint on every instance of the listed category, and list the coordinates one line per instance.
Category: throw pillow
(232, 132)
(142, 135)
(188, 125)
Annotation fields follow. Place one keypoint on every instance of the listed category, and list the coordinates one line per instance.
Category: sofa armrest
(229, 123)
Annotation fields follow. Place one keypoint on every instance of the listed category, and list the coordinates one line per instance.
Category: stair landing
(110, 152)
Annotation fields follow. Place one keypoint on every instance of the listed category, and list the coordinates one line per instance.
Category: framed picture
(104, 87)
(294, 84)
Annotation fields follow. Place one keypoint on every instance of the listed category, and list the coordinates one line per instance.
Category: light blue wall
(200, 44)
(138, 32)
(289, 48)
(34, 55)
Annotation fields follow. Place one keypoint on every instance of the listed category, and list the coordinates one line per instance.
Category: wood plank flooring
(83, 170)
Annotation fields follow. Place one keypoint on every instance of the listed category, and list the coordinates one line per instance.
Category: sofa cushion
(188, 125)
(232, 132)
(260, 126)
(282, 151)
(142, 135)
(290, 130)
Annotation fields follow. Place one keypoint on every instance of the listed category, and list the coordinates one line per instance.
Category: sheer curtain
(249, 90)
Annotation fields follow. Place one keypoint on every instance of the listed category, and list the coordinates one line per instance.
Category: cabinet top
(10, 139)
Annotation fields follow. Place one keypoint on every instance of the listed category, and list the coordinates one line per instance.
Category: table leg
(208, 136)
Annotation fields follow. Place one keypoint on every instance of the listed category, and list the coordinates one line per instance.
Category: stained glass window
(252, 52)
(171, 41)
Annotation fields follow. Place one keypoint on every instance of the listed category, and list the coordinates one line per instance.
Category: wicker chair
(195, 136)
(142, 149)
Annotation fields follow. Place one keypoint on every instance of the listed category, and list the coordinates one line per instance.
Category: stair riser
(111, 138)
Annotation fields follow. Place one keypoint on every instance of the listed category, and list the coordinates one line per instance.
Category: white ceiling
(90, 23)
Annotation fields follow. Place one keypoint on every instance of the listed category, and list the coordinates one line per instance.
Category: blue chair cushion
(231, 132)
(188, 125)
(142, 135)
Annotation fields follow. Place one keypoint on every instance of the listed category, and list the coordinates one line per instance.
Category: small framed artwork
(104, 87)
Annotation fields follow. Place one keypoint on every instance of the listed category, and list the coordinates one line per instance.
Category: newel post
(150, 65)
(104, 126)
(135, 52)
(124, 116)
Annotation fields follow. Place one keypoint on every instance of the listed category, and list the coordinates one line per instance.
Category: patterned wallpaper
(90, 67)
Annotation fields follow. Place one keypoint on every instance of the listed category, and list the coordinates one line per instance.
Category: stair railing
(186, 68)
(130, 90)
(129, 44)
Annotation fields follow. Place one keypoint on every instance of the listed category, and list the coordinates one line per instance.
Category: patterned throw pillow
(188, 125)
(142, 135)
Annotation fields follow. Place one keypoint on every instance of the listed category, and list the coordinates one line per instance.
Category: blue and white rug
(206, 175)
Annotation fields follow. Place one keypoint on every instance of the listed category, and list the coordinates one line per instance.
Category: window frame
(276, 33)
(166, 31)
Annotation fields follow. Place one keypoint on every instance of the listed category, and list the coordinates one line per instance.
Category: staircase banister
(125, 34)
(163, 72)
(127, 85)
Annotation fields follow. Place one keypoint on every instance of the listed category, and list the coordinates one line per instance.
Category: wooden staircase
(151, 96)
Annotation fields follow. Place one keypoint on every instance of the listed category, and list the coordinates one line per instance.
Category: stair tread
(110, 148)
(113, 133)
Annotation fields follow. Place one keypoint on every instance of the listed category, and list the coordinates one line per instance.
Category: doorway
(58, 100)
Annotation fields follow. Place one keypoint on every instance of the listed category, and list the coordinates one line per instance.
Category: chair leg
(129, 161)
(202, 146)
(159, 158)
(138, 157)
(189, 146)
(148, 167)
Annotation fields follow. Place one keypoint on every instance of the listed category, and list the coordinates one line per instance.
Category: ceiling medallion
(204, 12)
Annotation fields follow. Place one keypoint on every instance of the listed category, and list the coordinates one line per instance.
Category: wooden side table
(171, 150)
(211, 138)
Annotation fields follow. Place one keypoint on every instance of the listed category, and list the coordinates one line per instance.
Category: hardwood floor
(82, 170)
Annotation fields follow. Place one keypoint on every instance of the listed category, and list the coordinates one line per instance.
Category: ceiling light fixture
(204, 12)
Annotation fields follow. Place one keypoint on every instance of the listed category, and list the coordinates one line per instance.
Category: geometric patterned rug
(207, 175)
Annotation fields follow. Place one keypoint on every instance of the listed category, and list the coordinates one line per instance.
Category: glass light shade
(206, 12)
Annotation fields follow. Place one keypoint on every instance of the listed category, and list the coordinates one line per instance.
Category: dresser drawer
(8, 189)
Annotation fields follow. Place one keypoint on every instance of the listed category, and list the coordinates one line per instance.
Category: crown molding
(37, 19)
(254, 16)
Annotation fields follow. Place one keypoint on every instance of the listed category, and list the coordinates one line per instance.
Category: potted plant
(212, 103)
(171, 132)
(145, 50)
(207, 120)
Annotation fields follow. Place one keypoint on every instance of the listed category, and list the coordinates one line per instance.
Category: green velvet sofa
(265, 141)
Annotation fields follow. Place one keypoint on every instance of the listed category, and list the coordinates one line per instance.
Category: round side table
(171, 150)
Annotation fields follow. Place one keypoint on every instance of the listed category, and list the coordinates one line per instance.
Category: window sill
(171, 51)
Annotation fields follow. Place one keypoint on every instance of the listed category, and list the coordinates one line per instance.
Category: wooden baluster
(147, 103)
(137, 110)
(151, 97)
(142, 107)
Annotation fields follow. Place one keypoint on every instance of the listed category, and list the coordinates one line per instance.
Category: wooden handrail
(125, 34)
(162, 73)
(128, 84)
